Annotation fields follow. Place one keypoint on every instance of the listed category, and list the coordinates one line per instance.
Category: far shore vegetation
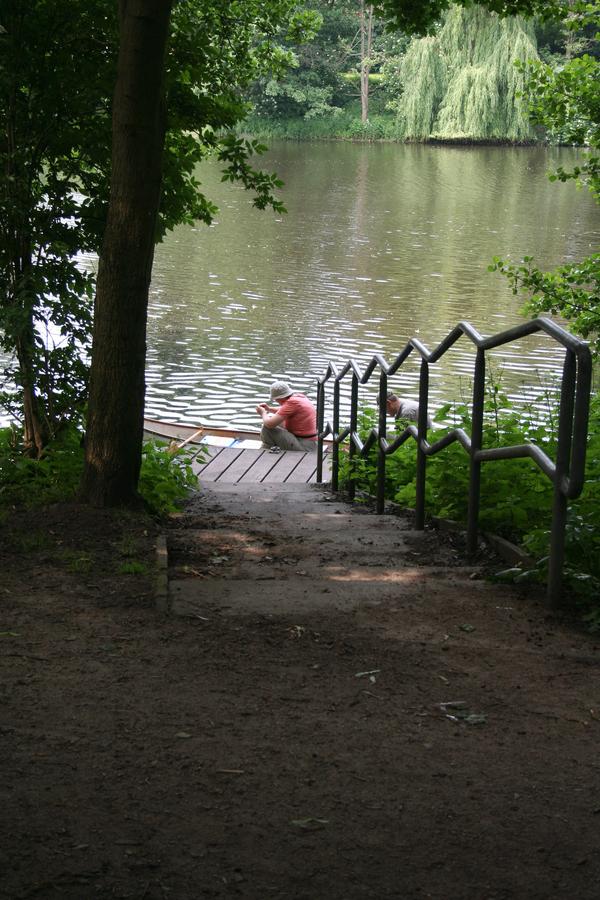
(348, 126)
(465, 82)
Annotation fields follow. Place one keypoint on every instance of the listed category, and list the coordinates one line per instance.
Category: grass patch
(128, 546)
(133, 567)
(31, 541)
(78, 562)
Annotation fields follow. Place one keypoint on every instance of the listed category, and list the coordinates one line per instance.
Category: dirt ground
(443, 745)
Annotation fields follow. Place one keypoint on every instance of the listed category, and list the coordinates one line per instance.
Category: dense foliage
(313, 85)
(166, 478)
(421, 17)
(567, 103)
(57, 76)
(516, 498)
(457, 83)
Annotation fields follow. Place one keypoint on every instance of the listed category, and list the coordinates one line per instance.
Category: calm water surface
(381, 243)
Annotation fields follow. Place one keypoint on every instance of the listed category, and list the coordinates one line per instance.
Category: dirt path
(320, 725)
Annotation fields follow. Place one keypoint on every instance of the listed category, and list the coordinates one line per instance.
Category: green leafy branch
(571, 291)
(236, 151)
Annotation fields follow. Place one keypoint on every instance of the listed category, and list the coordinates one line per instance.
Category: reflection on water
(381, 243)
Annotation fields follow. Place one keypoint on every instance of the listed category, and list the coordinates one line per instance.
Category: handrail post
(381, 433)
(320, 423)
(335, 458)
(560, 503)
(421, 457)
(475, 464)
(353, 430)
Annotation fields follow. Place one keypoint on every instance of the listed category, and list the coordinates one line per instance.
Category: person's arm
(270, 417)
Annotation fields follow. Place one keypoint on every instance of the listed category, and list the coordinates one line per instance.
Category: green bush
(582, 548)
(50, 479)
(165, 478)
(516, 497)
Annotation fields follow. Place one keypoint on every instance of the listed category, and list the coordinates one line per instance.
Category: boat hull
(155, 429)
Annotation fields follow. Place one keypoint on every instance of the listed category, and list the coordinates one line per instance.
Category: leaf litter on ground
(311, 823)
(458, 711)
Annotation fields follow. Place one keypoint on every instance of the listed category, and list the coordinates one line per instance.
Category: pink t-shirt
(299, 416)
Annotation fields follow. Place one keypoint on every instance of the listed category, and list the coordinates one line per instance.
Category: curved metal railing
(566, 471)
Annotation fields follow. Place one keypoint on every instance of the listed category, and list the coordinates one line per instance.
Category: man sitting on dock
(292, 425)
(402, 408)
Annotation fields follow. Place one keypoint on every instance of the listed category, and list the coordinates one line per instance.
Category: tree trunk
(16, 292)
(36, 433)
(366, 41)
(117, 379)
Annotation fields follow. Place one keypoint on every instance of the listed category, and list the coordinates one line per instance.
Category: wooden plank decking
(232, 465)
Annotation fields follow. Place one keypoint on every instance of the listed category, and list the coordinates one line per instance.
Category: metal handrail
(567, 471)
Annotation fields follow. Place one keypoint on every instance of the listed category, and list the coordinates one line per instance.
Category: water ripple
(394, 244)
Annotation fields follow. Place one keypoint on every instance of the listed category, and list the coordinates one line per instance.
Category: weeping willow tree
(425, 77)
(463, 84)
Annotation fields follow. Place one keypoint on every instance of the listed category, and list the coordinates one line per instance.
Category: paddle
(174, 446)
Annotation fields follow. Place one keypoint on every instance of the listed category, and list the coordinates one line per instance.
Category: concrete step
(289, 549)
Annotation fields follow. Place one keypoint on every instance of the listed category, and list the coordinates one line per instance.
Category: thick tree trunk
(117, 384)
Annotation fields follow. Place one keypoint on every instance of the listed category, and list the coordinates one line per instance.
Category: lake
(382, 242)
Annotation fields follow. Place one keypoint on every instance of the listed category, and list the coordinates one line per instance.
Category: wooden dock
(234, 465)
